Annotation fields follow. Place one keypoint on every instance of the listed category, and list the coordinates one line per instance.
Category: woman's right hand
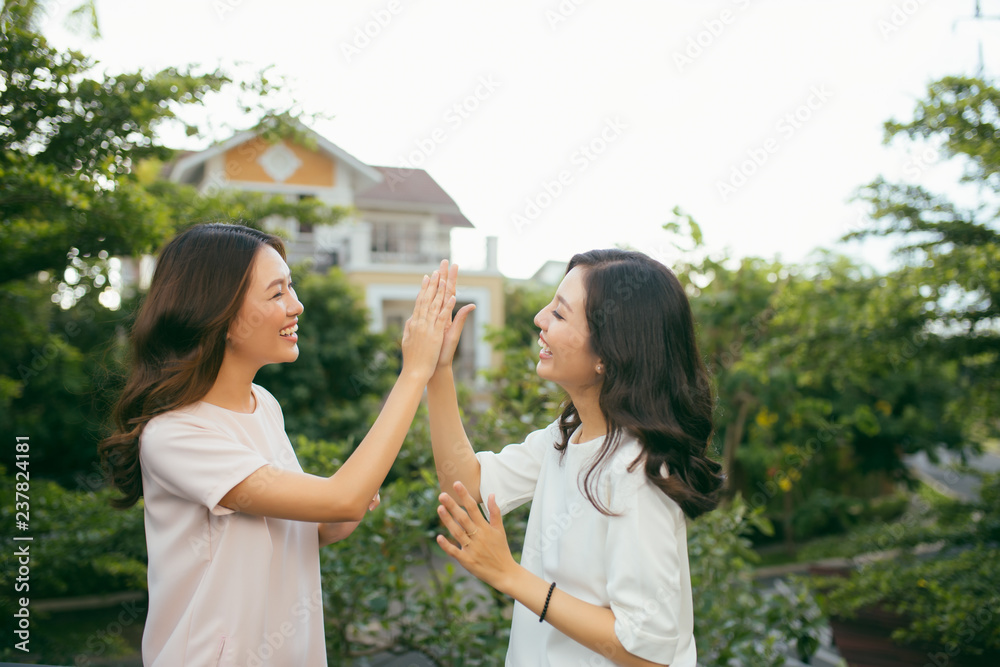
(453, 332)
(424, 331)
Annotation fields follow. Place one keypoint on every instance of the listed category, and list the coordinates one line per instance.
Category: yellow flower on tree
(765, 418)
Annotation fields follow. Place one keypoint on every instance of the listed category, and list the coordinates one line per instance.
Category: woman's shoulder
(269, 405)
(179, 421)
(266, 397)
(627, 467)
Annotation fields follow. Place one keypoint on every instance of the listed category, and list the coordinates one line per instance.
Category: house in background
(399, 228)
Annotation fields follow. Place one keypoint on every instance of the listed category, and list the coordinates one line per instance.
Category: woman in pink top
(233, 524)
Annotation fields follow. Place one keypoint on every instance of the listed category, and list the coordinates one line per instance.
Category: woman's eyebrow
(278, 281)
(564, 302)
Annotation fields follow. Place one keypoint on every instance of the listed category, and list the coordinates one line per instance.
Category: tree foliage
(953, 250)
(820, 382)
(79, 187)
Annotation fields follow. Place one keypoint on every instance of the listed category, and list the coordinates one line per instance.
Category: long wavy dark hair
(179, 336)
(655, 385)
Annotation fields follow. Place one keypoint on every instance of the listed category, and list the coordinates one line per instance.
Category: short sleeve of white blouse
(221, 583)
(634, 562)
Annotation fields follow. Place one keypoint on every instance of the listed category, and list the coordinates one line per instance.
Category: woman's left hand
(482, 547)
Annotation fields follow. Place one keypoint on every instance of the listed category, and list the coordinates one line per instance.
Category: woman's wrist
(410, 373)
(513, 581)
(442, 375)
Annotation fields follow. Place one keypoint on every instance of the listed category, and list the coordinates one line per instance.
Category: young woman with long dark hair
(233, 524)
(604, 562)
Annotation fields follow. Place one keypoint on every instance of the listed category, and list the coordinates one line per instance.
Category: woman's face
(566, 357)
(264, 329)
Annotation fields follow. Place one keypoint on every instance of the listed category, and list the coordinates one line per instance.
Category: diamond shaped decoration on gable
(279, 162)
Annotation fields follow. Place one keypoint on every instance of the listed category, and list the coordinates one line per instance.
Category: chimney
(491, 254)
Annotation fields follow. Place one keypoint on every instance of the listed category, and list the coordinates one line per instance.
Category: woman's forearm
(362, 474)
(588, 624)
(286, 494)
(335, 532)
(454, 457)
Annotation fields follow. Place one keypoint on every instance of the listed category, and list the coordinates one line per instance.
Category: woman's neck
(588, 408)
(232, 389)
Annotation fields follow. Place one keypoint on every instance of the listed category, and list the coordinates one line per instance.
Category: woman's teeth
(545, 348)
(289, 331)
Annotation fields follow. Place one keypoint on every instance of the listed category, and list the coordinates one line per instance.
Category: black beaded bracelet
(547, 598)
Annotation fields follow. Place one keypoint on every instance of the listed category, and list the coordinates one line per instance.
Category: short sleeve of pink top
(634, 563)
(225, 588)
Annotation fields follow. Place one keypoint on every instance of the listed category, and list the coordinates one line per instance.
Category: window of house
(395, 242)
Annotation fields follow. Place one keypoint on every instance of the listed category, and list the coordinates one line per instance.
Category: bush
(947, 592)
(735, 623)
(81, 544)
(385, 587)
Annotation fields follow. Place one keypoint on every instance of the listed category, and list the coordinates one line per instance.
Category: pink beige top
(225, 588)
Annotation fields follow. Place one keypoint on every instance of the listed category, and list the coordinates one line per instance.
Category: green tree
(814, 373)
(78, 157)
(952, 250)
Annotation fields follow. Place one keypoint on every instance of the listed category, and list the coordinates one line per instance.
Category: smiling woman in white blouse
(604, 576)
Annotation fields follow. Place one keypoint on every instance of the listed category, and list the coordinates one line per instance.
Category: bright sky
(561, 126)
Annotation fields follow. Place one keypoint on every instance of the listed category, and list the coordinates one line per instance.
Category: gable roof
(403, 189)
(189, 162)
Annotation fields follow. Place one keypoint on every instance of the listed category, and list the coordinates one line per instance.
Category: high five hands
(454, 329)
(424, 330)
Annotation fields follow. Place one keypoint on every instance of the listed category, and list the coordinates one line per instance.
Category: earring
(600, 369)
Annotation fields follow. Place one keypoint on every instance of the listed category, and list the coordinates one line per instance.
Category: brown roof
(411, 190)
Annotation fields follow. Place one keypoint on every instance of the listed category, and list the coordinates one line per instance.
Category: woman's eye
(556, 313)
(280, 294)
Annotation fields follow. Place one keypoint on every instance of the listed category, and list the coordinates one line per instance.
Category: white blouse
(634, 563)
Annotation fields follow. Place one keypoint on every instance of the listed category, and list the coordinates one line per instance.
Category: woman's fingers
(436, 308)
(452, 273)
(449, 548)
(462, 517)
(428, 290)
(458, 532)
(460, 317)
(469, 503)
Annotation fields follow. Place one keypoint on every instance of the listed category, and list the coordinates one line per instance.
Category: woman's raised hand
(424, 331)
(454, 329)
